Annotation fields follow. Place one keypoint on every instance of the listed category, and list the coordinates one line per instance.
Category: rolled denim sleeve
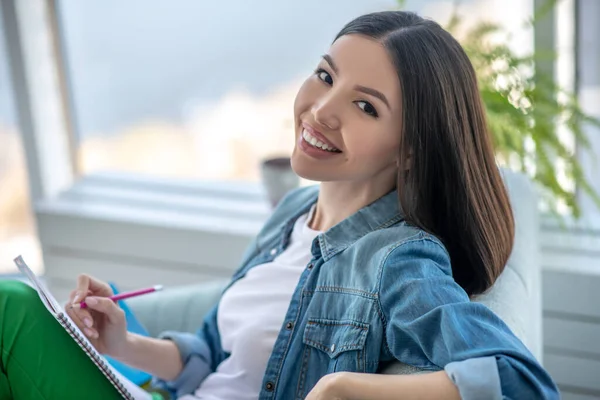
(195, 356)
(476, 378)
(432, 324)
(200, 354)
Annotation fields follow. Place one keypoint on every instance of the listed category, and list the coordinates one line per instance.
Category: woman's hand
(329, 387)
(103, 321)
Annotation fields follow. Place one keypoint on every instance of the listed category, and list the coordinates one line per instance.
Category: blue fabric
(200, 353)
(375, 291)
(475, 378)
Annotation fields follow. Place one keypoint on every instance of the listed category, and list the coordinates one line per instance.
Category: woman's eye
(324, 76)
(367, 108)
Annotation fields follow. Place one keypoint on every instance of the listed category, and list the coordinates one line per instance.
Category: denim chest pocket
(331, 346)
(338, 345)
(335, 337)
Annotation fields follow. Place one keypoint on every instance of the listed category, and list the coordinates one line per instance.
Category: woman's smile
(314, 144)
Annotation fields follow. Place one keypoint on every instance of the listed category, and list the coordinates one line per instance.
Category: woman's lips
(319, 136)
(312, 140)
(315, 152)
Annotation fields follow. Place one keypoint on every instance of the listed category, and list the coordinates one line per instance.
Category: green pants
(38, 359)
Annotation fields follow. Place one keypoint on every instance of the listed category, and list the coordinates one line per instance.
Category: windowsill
(142, 217)
(224, 207)
(146, 226)
(570, 246)
(586, 226)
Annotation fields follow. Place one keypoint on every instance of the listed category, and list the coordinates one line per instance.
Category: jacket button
(289, 326)
(310, 266)
(332, 348)
(269, 386)
(273, 252)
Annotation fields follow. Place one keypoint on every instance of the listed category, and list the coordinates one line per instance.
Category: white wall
(571, 306)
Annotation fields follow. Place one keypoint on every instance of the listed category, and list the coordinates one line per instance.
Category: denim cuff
(195, 356)
(476, 378)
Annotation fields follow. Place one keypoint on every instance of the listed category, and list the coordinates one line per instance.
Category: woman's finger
(74, 293)
(86, 283)
(83, 285)
(83, 320)
(107, 307)
(100, 288)
(85, 316)
(91, 333)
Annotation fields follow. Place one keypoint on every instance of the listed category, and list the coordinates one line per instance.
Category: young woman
(375, 265)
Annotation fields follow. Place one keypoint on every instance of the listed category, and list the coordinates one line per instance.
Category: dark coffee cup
(278, 178)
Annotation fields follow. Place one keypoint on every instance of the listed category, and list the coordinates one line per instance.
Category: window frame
(99, 220)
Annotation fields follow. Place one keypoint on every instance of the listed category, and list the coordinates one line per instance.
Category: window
(191, 88)
(17, 227)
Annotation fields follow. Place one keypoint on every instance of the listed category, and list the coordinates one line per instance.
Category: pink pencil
(126, 295)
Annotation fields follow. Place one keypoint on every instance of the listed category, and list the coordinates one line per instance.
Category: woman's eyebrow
(374, 93)
(359, 88)
(329, 60)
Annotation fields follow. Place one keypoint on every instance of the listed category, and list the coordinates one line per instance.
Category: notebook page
(38, 285)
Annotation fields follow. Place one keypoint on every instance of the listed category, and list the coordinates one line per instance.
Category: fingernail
(87, 322)
(76, 298)
(92, 301)
(88, 332)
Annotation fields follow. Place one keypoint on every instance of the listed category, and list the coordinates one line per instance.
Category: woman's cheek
(302, 102)
(371, 142)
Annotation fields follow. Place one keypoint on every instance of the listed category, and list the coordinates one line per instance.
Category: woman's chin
(305, 168)
(311, 173)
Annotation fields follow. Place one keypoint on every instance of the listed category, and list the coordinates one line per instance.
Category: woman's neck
(339, 200)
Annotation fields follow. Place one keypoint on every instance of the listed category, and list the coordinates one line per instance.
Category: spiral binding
(100, 363)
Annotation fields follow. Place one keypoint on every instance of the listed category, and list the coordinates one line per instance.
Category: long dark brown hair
(452, 187)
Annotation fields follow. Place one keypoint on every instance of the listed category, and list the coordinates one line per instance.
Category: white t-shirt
(250, 316)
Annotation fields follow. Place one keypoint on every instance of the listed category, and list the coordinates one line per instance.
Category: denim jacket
(377, 290)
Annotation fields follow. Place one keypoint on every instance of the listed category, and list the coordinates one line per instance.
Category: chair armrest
(180, 308)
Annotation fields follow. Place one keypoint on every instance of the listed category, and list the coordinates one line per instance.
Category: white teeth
(316, 143)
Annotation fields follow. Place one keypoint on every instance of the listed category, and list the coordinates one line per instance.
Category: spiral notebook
(127, 389)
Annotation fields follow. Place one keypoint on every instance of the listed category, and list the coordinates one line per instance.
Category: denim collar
(382, 213)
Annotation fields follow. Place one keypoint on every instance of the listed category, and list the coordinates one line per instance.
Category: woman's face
(347, 116)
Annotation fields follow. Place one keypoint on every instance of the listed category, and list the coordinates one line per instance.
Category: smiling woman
(376, 264)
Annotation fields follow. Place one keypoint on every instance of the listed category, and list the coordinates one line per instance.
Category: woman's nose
(325, 113)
